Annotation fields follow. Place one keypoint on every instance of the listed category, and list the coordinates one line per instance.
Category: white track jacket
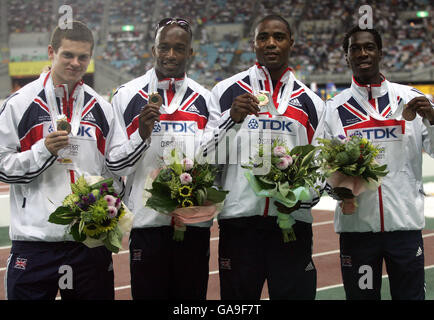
(300, 124)
(182, 129)
(39, 181)
(398, 204)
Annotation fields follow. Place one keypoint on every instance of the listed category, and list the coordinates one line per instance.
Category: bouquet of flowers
(94, 213)
(185, 190)
(291, 175)
(350, 167)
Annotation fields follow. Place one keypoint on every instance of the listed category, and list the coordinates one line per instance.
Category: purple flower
(92, 198)
(104, 188)
(185, 178)
(342, 137)
(85, 199)
(118, 203)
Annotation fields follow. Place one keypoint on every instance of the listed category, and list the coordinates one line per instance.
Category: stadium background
(223, 33)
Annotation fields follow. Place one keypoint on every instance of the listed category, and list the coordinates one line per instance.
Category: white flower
(126, 221)
(185, 178)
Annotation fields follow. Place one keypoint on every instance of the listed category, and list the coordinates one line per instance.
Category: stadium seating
(223, 32)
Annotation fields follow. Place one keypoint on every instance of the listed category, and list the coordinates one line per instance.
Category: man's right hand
(244, 105)
(55, 141)
(149, 114)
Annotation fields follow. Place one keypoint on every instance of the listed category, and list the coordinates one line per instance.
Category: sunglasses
(184, 24)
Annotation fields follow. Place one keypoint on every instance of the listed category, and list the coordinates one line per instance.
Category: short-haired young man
(251, 246)
(162, 268)
(387, 223)
(31, 162)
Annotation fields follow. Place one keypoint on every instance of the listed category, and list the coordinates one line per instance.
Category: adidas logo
(295, 102)
(193, 108)
(110, 268)
(309, 267)
(419, 252)
(89, 117)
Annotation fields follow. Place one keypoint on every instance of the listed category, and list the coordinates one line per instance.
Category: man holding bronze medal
(387, 222)
(54, 130)
(266, 99)
(171, 111)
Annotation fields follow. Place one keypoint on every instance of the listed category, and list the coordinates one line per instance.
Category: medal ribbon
(284, 98)
(54, 111)
(177, 99)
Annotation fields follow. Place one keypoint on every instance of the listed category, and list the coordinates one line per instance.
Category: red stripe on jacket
(33, 135)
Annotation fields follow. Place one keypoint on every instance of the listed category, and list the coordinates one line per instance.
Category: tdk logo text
(180, 127)
(84, 131)
(384, 133)
(274, 125)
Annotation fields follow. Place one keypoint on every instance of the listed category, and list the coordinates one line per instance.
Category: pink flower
(279, 151)
(111, 201)
(283, 163)
(185, 178)
(187, 164)
(112, 211)
(289, 158)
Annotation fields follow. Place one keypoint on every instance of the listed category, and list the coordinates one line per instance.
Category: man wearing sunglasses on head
(162, 268)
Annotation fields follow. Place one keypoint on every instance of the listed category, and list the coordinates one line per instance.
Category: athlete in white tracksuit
(251, 246)
(40, 178)
(162, 268)
(387, 222)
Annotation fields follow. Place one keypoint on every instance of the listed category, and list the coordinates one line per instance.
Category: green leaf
(62, 215)
(81, 226)
(80, 237)
(113, 241)
(98, 185)
(302, 150)
(283, 188)
(201, 196)
(215, 196)
(160, 200)
(308, 158)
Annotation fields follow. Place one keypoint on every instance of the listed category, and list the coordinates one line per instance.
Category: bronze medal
(408, 114)
(63, 125)
(155, 98)
(263, 99)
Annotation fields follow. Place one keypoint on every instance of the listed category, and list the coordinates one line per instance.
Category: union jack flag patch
(20, 263)
(346, 261)
(225, 264)
(137, 255)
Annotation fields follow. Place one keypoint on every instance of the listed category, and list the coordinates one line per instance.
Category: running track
(325, 256)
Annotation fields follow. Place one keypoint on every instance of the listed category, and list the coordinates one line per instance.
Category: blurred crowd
(318, 30)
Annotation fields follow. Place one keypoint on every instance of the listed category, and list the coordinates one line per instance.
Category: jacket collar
(376, 90)
(264, 74)
(167, 82)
